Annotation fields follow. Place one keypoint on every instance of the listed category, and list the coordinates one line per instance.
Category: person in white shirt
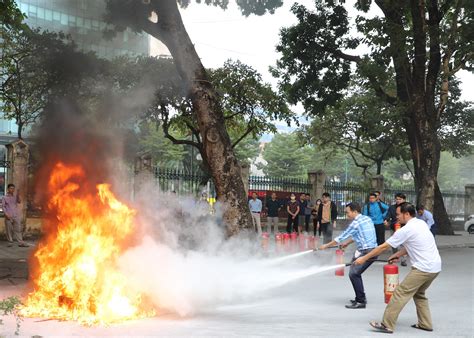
(255, 206)
(426, 216)
(419, 244)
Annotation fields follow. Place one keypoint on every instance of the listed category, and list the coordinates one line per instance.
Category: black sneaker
(353, 301)
(403, 262)
(355, 305)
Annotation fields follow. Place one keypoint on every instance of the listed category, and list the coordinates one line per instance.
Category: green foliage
(38, 67)
(10, 16)
(9, 306)
(455, 173)
(362, 126)
(250, 105)
(247, 150)
(286, 157)
(163, 152)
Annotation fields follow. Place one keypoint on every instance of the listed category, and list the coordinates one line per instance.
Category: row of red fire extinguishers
(294, 242)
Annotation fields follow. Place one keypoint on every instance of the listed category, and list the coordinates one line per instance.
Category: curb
(454, 246)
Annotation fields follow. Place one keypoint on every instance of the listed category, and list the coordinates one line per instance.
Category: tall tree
(286, 157)
(38, 66)
(362, 125)
(168, 27)
(426, 42)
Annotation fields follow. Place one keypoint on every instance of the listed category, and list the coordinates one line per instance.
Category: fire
(77, 275)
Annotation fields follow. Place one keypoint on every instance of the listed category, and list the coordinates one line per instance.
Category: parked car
(469, 225)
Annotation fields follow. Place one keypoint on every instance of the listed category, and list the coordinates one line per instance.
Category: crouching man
(362, 232)
(419, 244)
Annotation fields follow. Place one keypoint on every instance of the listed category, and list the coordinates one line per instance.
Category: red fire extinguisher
(390, 277)
(286, 240)
(265, 240)
(340, 260)
(302, 242)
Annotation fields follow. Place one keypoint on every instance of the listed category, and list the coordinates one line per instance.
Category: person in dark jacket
(314, 213)
(327, 215)
(391, 219)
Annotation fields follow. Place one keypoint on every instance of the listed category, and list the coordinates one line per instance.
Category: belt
(255, 212)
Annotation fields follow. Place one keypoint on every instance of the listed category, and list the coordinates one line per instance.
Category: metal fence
(183, 183)
(341, 193)
(263, 183)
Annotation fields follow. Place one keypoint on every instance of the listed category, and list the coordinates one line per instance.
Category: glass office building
(83, 21)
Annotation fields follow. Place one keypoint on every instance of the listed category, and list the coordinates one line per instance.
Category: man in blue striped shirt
(362, 232)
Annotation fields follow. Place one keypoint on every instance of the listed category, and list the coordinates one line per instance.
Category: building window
(87, 23)
(40, 13)
(64, 19)
(48, 15)
(32, 11)
(24, 7)
(72, 21)
(56, 16)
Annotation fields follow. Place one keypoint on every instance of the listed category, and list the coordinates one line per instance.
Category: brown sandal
(416, 326)
(380, 327)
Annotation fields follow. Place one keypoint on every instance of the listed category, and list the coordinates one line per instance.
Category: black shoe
(403, 263)
(355, 305)
(353, 301)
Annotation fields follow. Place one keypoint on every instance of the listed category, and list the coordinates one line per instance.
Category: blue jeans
(355, 275)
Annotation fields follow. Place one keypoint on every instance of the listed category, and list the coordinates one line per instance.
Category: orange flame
(77, 275)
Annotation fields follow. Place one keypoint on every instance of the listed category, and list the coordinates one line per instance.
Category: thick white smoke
(184, 264)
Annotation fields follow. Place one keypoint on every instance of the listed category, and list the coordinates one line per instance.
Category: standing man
(362, 232)
(327, 214)
(301, 215)
(307, 213)
(391, 219)
(255, 206)
(12, 217)
(293, 209)
(419, 244)
(377, 211)
(273, 207)
(426, 216)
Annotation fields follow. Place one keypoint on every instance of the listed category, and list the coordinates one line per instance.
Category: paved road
(313, 306)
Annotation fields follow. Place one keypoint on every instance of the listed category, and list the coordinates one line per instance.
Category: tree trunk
(426, 152)
(217, 148)
(440, 214)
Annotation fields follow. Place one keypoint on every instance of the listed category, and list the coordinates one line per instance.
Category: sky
(220, 35)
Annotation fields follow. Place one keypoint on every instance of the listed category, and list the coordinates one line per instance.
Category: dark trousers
(315, 225)
(292, 224)
(307, 218)
(433, 230)
(355, 275)
(326, 229)
(380, 233)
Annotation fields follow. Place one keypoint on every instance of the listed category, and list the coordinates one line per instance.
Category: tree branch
(248, 131)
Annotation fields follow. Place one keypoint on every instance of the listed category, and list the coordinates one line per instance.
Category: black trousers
(380, 233)
(315, 225)
(292, 224)
(307, 218)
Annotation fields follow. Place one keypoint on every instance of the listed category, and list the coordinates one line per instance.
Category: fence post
(469, 201)
(245, 172)
(317, 180)
(377, 184)
(143, 173)
(18, 155)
